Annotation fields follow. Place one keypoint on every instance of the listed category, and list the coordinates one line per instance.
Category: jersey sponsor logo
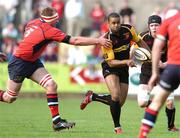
(107, 71)
(121, 48)
(105, 56)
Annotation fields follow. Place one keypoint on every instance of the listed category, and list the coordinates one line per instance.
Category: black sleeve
(66, 39)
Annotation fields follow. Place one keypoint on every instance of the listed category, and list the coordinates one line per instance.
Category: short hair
(154, 19)
(113, 15)
(49, 14)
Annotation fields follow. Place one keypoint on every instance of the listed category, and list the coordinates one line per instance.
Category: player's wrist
(97, 43)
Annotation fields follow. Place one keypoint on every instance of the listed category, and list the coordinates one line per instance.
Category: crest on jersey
(126, 35)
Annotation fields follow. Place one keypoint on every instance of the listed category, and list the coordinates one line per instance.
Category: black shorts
(146, 72)
(19, 69)
(122, 72)
(170, 78)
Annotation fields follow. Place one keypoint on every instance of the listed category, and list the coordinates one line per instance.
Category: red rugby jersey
(36, 37)
(171, 28)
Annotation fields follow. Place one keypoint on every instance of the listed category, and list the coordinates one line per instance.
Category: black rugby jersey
(147, 37)
(121, 43)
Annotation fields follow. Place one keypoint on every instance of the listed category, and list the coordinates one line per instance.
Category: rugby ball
(142, 54)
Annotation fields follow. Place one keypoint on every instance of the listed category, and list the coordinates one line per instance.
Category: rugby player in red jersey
(170, 78)
(144, 98)
(25, 62)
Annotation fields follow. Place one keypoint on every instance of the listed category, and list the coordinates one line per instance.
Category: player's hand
(3, 57)
(130, 63)
(153, 80)
(105, 42)
(162, 65)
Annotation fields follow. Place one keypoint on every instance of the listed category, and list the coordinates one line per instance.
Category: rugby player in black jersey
(115, 68)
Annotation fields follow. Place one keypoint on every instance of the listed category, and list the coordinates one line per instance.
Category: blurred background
(77, 17)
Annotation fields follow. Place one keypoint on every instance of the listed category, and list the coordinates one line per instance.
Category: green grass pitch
(30, 118)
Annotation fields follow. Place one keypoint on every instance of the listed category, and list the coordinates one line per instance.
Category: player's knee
(170, 104)
(142, 104)
(48, 83)
(115, 98)
(51, 85)
(121, 103)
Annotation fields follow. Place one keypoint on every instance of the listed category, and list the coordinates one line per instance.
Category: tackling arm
(156, 55)
(85, 41)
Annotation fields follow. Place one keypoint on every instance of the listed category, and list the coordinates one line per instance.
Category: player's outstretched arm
(156, 53)
(85, 41)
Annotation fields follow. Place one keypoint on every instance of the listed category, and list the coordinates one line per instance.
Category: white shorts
(144, 94)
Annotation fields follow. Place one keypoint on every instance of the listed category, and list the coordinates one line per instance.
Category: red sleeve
(55, 34)
(163, 29)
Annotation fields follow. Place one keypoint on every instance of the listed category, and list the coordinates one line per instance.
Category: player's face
(153, 27)
(54, 23)
(114, 24)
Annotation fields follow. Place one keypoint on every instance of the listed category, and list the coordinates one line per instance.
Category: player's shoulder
(127, 26)
(169, 20)
(38, 22)
(144, 34)
(34, 21)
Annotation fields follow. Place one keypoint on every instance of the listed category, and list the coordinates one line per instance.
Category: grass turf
(30, 118)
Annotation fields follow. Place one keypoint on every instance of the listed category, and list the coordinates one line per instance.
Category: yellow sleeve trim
(134, 34)
(108, 54)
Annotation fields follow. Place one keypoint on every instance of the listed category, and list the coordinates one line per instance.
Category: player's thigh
(13, 86)
(112, 82)
(38, 75)
(44, 79)
(123, 93)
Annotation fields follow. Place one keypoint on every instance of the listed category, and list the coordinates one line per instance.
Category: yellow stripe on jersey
(134, 34)
(108, 54)
(122, 48)
(134, 45)
(142, 36)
